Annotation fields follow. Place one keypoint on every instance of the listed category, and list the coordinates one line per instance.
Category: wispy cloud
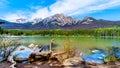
(69, 7)
(96, 6)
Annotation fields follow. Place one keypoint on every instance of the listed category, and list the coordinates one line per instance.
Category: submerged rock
(44, 48)
(1, 58)
(115, 51)
(96, 57)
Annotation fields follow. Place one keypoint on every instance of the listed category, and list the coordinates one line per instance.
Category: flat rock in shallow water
(96, 57)
(1, 58)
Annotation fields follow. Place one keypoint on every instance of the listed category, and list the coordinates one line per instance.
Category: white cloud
(69, 7)
(74, 7)
(13, 16)
(105, 5)
(40, 13)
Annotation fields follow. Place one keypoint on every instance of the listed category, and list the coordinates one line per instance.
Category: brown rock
(40, 56)
(75, 61)
(20, 59)
(111, 63)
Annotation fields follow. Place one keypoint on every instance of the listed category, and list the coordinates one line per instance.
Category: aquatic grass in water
(67, 48)
(6, 41)
(7, 46)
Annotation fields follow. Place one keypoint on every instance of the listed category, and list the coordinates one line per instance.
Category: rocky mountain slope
(59, 21)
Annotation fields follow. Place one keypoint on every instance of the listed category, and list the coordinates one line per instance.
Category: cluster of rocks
(34, 56)
(20, 53)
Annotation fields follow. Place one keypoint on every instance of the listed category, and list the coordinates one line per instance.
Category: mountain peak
(57, 15)
(36, 20)
(59, 19)
(88, 20)
(21, 20)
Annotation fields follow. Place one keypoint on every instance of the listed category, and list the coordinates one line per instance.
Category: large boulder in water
(20, 54)
(24, 52)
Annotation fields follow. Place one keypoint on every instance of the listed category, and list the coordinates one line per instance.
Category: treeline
(47, 32)
(1, 31)
(92, 32)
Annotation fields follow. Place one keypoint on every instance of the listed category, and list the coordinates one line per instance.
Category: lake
(81, 43)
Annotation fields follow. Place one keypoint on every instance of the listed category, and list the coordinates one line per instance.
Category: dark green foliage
(114, 31)
(8, 45)
(1, 31)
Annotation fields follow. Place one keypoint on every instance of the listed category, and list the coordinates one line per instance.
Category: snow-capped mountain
(88, 20)
(36, 20)
(21, 20)
(58, 21)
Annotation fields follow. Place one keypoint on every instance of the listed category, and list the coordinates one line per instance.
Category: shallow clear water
(81, 43)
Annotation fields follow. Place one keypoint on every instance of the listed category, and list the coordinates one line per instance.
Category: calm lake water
(81, 43)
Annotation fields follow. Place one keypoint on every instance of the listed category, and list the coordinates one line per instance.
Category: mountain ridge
(59, 21)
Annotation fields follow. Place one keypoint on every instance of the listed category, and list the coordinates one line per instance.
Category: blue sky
(29, 9)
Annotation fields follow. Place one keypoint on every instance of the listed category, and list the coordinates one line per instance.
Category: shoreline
(115, 64)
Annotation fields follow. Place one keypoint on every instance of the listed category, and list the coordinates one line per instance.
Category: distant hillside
(58, 21)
